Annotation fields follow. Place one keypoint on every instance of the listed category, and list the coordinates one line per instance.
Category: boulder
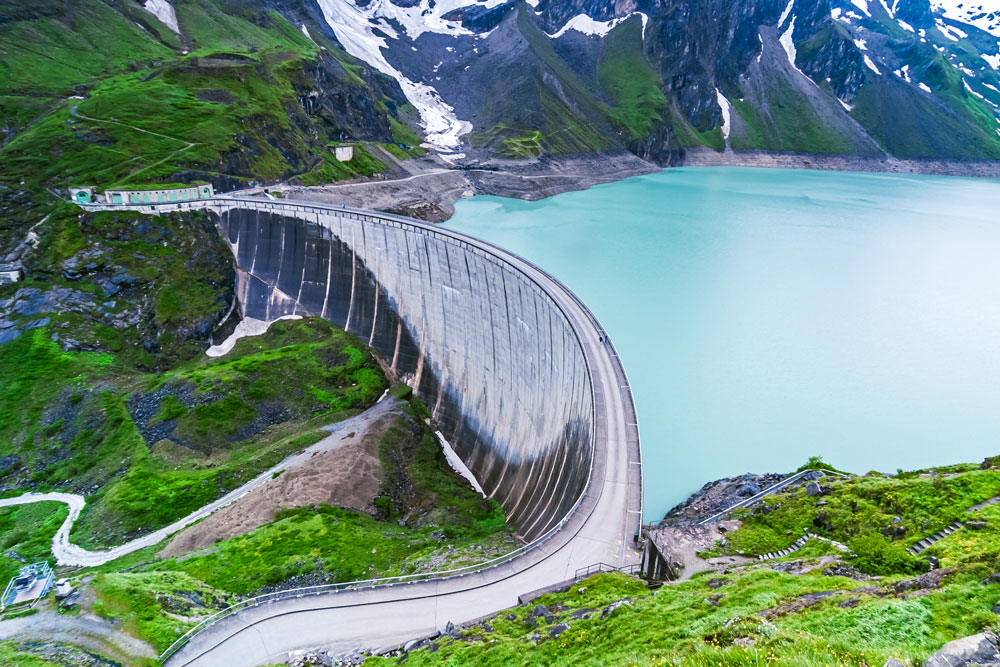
(980, 650)
(892, 662)
(813, 489)
(975, 525)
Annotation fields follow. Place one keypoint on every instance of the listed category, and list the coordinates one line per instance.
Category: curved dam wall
(488, 351)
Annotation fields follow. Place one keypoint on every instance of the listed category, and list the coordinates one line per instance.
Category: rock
(980, 650)
(896, 519)
(716, 583)
(992, 579)
(559, 629)
(814, 475)
(745, 642)
(449, 629)
(926, 581)
(996, 608)
(975, 525)
(892, 662)
(615, 605)
(813, 489)
(821, 503)
(414, 644)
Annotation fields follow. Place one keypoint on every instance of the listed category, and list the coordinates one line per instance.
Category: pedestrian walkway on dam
(601, 529)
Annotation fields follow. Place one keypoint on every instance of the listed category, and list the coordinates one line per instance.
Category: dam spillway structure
(486, 348)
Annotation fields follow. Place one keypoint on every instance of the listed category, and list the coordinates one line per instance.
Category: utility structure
(31, 584)
(143, 194)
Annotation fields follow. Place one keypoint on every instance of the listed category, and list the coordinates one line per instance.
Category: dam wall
(492, 355)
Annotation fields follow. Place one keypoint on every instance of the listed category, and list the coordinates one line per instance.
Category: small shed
(83, 195)
(344, 153)
(11, 272)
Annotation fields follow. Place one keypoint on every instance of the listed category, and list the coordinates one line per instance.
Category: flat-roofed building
(159, 194)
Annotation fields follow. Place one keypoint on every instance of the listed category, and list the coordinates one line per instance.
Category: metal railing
(597, 568)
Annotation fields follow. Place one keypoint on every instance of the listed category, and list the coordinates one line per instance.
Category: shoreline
(427, 188)
(706, 157)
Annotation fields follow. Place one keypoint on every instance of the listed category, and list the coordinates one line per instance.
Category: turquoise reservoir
(768, 315)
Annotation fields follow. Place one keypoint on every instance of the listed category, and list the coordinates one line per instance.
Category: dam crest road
(566, 469)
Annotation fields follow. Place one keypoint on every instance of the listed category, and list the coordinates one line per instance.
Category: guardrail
(774, 488)
(584, 572)
(498, 254)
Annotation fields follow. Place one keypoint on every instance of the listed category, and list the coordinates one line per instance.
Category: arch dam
(519, 381)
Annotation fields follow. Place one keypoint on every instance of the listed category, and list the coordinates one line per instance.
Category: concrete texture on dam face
(486, 349)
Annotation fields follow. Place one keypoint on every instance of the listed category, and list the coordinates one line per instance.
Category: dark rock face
(717, 496)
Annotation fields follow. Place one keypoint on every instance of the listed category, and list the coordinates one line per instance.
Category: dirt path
(67, 553)
(342, 470)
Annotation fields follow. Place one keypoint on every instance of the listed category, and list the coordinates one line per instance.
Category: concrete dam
(488, 351)
(518, 375)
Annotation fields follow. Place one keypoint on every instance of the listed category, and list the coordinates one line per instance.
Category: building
(84, 195)
(343, 153)
(10, 272)
(31, 584)
(158, 194)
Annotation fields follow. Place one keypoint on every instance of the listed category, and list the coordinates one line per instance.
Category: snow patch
(992, 61)
(924, 87)
(164, 11)
(983, 15)
(860, 43)
(969, 88)
(248, 326)
(862, 5)
(305, 31)
(951, 32)
(457, 464)
(588, 26)
(724, 106)
(353, 29)
(784, 14)
(847, 107)
(871, 65)
(905, 25)
(904, 73)
(991, 87)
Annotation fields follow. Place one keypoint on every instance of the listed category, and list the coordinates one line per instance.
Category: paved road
(601, 530)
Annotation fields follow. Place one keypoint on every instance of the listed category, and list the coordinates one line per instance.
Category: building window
(117, 198)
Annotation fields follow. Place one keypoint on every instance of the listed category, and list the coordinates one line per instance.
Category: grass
(27, 531)
(139, 602)
(757, 615)
(627, 77)
(307, 372)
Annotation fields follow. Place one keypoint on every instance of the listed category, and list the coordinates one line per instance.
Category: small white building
(84, 195)
(343, 153)
(159, 194)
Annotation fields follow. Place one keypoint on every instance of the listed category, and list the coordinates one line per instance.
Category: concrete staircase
(799, 543)
(928, 541)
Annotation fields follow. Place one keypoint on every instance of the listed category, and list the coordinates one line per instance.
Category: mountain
(658, 77)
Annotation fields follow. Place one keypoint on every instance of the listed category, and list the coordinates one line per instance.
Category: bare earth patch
(342, 469)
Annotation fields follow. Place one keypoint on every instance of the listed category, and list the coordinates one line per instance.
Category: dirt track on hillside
(344, 472)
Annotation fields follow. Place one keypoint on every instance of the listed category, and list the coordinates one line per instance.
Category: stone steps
(927, 542)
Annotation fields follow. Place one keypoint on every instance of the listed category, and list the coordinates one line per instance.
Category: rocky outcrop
(717, 496)
(978, 650)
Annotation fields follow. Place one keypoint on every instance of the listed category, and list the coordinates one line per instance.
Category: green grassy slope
(794, 612)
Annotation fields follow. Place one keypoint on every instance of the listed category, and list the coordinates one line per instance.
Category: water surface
(764, 316)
